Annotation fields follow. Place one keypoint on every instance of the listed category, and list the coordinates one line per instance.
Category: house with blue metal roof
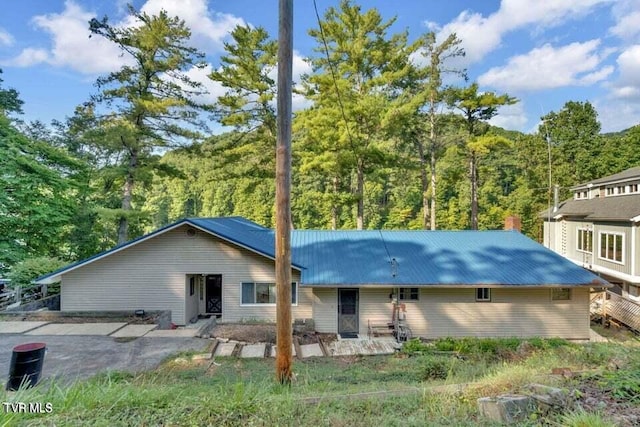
(440, 283)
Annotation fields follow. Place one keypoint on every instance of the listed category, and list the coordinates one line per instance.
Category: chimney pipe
(556, 197)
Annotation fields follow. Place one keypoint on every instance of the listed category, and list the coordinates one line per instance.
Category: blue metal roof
(422, 258)
(436, 258)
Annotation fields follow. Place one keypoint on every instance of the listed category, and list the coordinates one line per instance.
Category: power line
(333, 75)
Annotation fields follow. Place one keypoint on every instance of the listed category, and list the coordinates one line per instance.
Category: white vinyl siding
(325, 309)
(152, 275)
(445, 312)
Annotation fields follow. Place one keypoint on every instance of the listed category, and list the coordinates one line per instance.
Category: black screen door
(213, 294)
(348, 311)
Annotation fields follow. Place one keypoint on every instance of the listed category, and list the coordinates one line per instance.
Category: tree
(476, 109)
(357, 77)
(10, 101)
(574, 133)
(247, 104)
(151, 102)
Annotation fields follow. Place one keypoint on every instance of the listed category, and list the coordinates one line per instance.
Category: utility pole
(283, 194)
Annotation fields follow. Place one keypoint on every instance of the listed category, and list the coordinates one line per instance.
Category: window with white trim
(585, 240)
(611, 246)
(264, 293)
(560, 294)
(483, 294)
(409, 294)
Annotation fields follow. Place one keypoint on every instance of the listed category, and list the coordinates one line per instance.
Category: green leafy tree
(358, 71)
(10, 101)
(476, 108)
(25, 272)
(149, 104)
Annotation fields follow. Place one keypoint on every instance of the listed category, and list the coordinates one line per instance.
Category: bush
(435, 369)
(25, 272)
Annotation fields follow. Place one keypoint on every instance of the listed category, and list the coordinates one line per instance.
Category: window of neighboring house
(621, 189)
(609, 191)
(192, 286)
(560, 294)
(611, 246)
(634, 290)
(409, 294)
(633, 188)
(585, 240)
(264, 293)
(483, 294)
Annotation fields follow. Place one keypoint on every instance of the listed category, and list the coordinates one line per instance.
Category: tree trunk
(360, 196)
(473, 172)
(334, 205)
(127, 192)
(425, 185)
(432, 148)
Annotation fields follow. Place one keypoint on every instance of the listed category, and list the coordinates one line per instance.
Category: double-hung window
(585, 240)
(264, 293)
(611, 246)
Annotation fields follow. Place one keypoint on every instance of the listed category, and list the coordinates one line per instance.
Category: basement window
(483, 294)
(560, 294)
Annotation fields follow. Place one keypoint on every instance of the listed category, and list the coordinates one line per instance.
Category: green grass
(243, 392)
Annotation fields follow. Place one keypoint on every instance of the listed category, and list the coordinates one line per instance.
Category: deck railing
(618, 308)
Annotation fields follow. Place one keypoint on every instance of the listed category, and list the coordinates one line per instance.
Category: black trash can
(26, 365)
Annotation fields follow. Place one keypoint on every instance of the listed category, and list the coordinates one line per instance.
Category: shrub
(435, 368)
(25, 272)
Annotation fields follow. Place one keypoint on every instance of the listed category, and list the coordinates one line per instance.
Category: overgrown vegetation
(408, 389)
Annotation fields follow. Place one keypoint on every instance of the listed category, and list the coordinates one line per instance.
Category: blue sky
(545, 53)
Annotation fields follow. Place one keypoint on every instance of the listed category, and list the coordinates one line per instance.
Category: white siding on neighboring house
(152, 275)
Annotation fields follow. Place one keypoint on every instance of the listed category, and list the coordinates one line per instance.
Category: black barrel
(26, 365)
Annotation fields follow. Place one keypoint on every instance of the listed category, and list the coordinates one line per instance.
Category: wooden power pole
(283, 194)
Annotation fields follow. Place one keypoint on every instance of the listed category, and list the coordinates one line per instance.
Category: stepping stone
(311, 350)
(253, 350)
(133, 331)
(225, 349)
(18, 327)
(168, 333)
(274, 351)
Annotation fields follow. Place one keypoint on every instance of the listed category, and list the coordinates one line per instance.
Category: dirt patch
(263, 332)
(594, 399)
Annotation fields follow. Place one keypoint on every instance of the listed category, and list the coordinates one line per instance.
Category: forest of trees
(383, 143)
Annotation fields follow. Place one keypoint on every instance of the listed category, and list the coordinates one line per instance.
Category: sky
(543, 52)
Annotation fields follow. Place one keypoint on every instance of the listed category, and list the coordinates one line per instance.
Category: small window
(560, 294)
(409, 294)
(634, 291)
(609, 191)
(264, 293)
(192, 286)
(483, 294)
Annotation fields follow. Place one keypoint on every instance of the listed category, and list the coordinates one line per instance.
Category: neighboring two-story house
(598, 229)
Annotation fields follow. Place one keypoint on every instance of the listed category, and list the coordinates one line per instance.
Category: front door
(348, 312)
(213, 294)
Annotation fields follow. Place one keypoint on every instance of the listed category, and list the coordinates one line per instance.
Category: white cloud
(6, 39)
(627, 16)
(628, 84)
(72, 47)
(481, 35)
(208, 29)
(548, 67)
(511, 117)
(617, 115)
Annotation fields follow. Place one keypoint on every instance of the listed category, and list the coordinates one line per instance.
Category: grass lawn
(328, 391)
